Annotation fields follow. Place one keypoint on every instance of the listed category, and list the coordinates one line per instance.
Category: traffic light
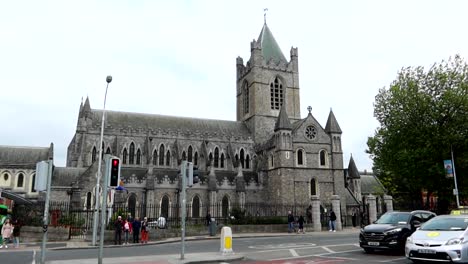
(192, 174)
(114, 172)
(196, 175)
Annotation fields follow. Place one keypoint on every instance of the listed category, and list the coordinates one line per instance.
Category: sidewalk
(204, 257)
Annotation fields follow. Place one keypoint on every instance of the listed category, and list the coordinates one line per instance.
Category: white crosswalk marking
(294, 253)
(329, 250)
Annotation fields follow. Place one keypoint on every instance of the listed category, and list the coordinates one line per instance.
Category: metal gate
(80, 221)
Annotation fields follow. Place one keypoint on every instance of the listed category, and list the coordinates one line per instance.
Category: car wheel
(369, 250)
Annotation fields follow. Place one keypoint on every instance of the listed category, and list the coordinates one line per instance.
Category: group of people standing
(10, 230)
(300, 222)
(131, 226)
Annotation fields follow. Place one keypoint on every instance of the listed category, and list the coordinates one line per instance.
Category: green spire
(270, 48)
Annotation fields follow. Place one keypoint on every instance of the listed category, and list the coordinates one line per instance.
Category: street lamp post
(98, 175)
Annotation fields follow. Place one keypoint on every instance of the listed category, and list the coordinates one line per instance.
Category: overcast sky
(178, 58)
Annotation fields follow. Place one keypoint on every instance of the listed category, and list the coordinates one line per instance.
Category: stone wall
(34, 234)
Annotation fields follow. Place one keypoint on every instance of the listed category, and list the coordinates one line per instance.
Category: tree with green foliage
(422, 115)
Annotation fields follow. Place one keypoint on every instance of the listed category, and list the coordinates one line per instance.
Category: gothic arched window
(210, 157)
(93, 155)
(161, 155)
(222, 160)
(242, 157)
(276, 94)
(225, 207)
(195, 159)
(184, 156)
(88, 201)
(168, 158)
(165, 206)
(196, 207)
(323, 158)
(124, 156)
(108, 151)
(20, 181)
(131, 158)
(190, 154)
(216, 157)
(132, 204)
(155, 157)
(138, 157)
(32, 183)
(313, 187)
(247, 161)
(300, 157)
(245, 92)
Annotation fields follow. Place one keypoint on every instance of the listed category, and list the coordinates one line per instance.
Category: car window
(416, 217)
(393, 218)
(426, 216)
(446, 224)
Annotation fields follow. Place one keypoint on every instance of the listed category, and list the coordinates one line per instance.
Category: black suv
(392, 229)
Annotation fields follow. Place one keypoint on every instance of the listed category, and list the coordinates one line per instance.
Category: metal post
(455, 178)
(98, 176)
(104, 209)
(46, 213)
(183, 172)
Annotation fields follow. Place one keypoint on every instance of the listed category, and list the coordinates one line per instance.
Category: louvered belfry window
(276, 94)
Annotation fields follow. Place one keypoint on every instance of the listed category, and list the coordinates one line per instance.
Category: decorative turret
(354, 179)
(282, 123)
(270, 49)
(332, 125)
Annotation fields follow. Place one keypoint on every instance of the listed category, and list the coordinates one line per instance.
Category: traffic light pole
(183, 172)
(46, 213)
(104, 207)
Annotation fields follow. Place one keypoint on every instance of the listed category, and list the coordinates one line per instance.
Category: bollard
(226, 240)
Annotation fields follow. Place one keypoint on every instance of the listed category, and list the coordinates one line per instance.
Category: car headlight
(454, 241)
(409, 240)
(393, 231)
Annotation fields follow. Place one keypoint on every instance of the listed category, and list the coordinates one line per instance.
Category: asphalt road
(297, 249)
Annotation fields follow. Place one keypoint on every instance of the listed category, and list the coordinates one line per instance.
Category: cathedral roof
(370, 184)
(117, 119)
(283, 121)
(65, 176)
(332, 125)
(23, 157)
(270, 48)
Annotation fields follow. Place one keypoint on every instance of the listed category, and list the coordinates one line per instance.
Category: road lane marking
(283, 246)
(391, 260)
(329, 250)
(34, 257)
(294, 253)
(299, 248)
(308, 256)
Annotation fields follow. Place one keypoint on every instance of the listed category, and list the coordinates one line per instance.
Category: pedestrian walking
(301, 224)
(118, 227)
(332, 221)
(127, 231)
(7, 231)
(144, 231)
(16, 233)
(290, 222)
(208, 221)
(136, 226)
(354, 217)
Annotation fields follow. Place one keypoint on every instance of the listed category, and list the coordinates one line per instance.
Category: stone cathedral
(271, 154)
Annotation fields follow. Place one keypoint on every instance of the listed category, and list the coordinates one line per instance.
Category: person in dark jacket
(290, 222)
(301, 224)
(118, 227)
(16, 233)
(332, 221)
(136, 225)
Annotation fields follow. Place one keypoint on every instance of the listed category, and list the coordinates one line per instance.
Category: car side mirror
(416, 224)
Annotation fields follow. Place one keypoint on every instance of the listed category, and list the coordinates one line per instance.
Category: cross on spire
(264, 14)
(309, 108)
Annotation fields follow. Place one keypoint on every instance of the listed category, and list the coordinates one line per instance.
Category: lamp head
(109, 79)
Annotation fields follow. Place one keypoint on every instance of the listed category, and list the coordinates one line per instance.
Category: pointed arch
(210, 158)
(247, 161)
(20, 180)
(155, 157)
(216, 157)
(131, 157)
(124, 156)
(313, 187)
(88, 201)
(195, 159)
(164, 206)
(245, 93)
(242, 157)
(184, 155)
(132, 200)
(222, 160)
(300, 157)
(33, 179)
(190, 154)
(168, 158)
(225, 206)
(138, 157)
(93, 155)
(196, 206)
(276, 94)
(161, 155)
(108, 150)
(323, 158)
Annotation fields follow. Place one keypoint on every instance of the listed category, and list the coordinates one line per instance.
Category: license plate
(373, 243)
(426, 251)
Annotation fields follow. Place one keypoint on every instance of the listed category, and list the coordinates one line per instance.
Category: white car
(443, 239)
